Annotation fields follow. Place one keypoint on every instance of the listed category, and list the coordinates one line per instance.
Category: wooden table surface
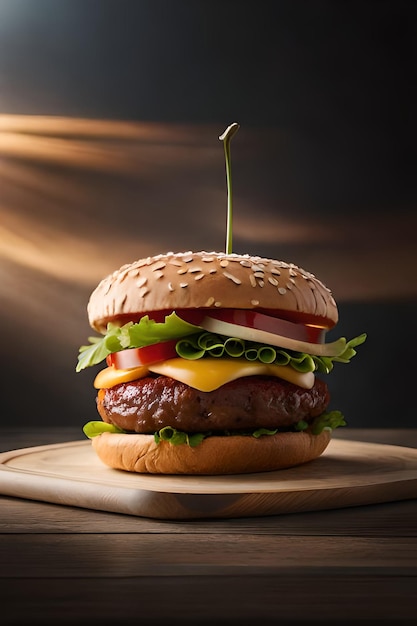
(59, 564)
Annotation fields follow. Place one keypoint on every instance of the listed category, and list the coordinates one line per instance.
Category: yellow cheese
(205, 374)
(111, 376)
(211, 373)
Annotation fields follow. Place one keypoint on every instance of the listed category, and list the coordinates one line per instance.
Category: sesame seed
(193, 270)
(213, 270)
(170, 287)
(273, 281)
(158, 274)
(217, 304)
(199, 276)
(183, 285)
(144, 292)
(234, 279)
(245, 263)
(121, 303)
(210, 301)
(142, 281)
(275, 271)
(207, 259)
(158, 266)
(252, 280)
(258, 274)
(183, 270)
(261, 283)
(254, 302)
(175, 262)
(122, 277)
(282, 290)
(224, 263)
(187, 259)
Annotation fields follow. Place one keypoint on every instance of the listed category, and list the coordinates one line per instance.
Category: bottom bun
(236, 454)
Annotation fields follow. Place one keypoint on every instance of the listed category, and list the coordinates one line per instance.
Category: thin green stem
(226, 137)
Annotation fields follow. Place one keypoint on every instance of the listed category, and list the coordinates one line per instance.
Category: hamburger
(215, 364)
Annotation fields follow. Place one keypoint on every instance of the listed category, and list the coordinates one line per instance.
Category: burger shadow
(313, 475)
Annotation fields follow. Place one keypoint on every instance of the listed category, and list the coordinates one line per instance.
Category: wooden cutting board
(349, 473)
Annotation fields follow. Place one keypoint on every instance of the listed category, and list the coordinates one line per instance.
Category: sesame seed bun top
(189, 280)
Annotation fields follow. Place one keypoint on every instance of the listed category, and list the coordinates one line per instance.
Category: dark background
(110, 112)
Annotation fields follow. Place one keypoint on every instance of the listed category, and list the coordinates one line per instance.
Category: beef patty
(149, 404)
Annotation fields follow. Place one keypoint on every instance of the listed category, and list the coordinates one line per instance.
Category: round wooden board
(349, 473)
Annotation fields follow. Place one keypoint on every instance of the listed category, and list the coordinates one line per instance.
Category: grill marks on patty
(149, 404)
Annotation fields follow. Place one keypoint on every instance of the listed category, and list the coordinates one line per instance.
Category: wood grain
(349, 473)
(377, 520)
(63, 564)
(206, 600)
(165, 555)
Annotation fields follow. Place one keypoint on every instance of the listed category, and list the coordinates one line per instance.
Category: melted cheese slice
(204, 374)
(111, 376)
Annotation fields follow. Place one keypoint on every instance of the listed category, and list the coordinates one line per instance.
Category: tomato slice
(135, 357)
(241, 319)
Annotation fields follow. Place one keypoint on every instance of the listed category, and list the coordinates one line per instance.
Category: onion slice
(270, 324)
(252, 334)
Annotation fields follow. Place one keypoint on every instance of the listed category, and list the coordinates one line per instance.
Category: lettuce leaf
(195, 343)
(209, 344)
(145, 333)
(327, 421)
(177, 437)
(93, 429)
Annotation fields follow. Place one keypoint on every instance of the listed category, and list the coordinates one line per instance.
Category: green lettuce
(326, 421)
(144, 333)
(93, 429)
(209, 344)
(177, 437)
(195, 343)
